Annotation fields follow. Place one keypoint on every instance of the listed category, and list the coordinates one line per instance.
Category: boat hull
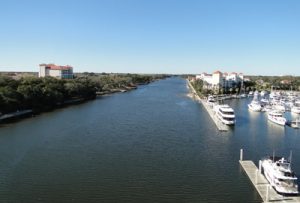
(278, 120)
(269, 174)
(254, 108)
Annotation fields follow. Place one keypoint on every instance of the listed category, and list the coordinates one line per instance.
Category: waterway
(153, 144)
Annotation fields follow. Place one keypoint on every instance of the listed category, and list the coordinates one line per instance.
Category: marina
(168, 147)
(264, 189)
(221, 126)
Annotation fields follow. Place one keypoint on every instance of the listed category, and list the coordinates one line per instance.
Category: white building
(220, 80)
(62, 72)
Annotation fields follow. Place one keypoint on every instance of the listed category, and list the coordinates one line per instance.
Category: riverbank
(18, 115)
(14, 115)
(116, 90)
(192, 93)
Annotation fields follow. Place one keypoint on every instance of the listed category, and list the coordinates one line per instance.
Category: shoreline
(16, 116)
(116, 90)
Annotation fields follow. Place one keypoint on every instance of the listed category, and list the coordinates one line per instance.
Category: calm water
(149, 145)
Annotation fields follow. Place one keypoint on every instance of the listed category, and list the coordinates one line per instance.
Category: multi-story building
(219, 80)
(62, 72)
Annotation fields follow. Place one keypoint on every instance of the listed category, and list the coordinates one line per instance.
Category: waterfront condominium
(221, 80)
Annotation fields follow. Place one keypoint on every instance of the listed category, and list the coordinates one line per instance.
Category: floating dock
(265, 190)
(221, 126)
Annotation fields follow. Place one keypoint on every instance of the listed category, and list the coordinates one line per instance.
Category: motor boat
(279, 107)
(255, 105)
(264, 101)
(211, 100)
(294, 124)
(263, 93)
(267, 108)
(243, 95)
(296, 107)
(276, 117)
(278, 172)
(225, 114)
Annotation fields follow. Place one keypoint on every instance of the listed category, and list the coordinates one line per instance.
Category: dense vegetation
(42, 94)
(256, 83)
(276, 82)
(202, 89)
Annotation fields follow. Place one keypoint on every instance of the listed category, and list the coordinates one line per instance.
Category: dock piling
(256, 181)
(241, 155)
(259, 166)
(267, 193)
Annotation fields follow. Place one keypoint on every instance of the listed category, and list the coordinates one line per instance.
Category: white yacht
(243, 95)
(278, 172)
(296, 107)
(255, 105)
(276, 117)
(263, 93)
(264, 101)
(279, 107)
(267, 108)
(225, 113)
(211, 100)
(294, 124)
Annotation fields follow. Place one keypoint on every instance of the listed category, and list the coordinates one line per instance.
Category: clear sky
(152, 36)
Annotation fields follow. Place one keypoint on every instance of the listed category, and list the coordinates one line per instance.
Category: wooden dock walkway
(221, 126)
(266, 192)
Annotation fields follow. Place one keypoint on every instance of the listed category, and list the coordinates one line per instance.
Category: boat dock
(265, 190)
(221, 126)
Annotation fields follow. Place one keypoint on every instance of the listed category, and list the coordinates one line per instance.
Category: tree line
(40, 94)
(287, 82)
(203, 88)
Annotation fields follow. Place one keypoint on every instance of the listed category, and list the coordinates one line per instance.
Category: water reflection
(148, 145)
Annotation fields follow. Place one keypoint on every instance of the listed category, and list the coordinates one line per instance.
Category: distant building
(62, 72)
(247, 80)
(286, 82)
(220, 80)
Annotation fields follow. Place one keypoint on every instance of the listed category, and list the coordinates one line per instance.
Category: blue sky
(152, 36)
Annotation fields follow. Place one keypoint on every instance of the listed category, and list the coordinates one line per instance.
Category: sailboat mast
(291, 153)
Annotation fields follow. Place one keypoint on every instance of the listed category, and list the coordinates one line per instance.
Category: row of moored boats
(277, 170)
(275, 105)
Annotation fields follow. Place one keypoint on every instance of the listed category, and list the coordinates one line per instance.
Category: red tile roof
(206, 74)
(217, 72)
(56, 67)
